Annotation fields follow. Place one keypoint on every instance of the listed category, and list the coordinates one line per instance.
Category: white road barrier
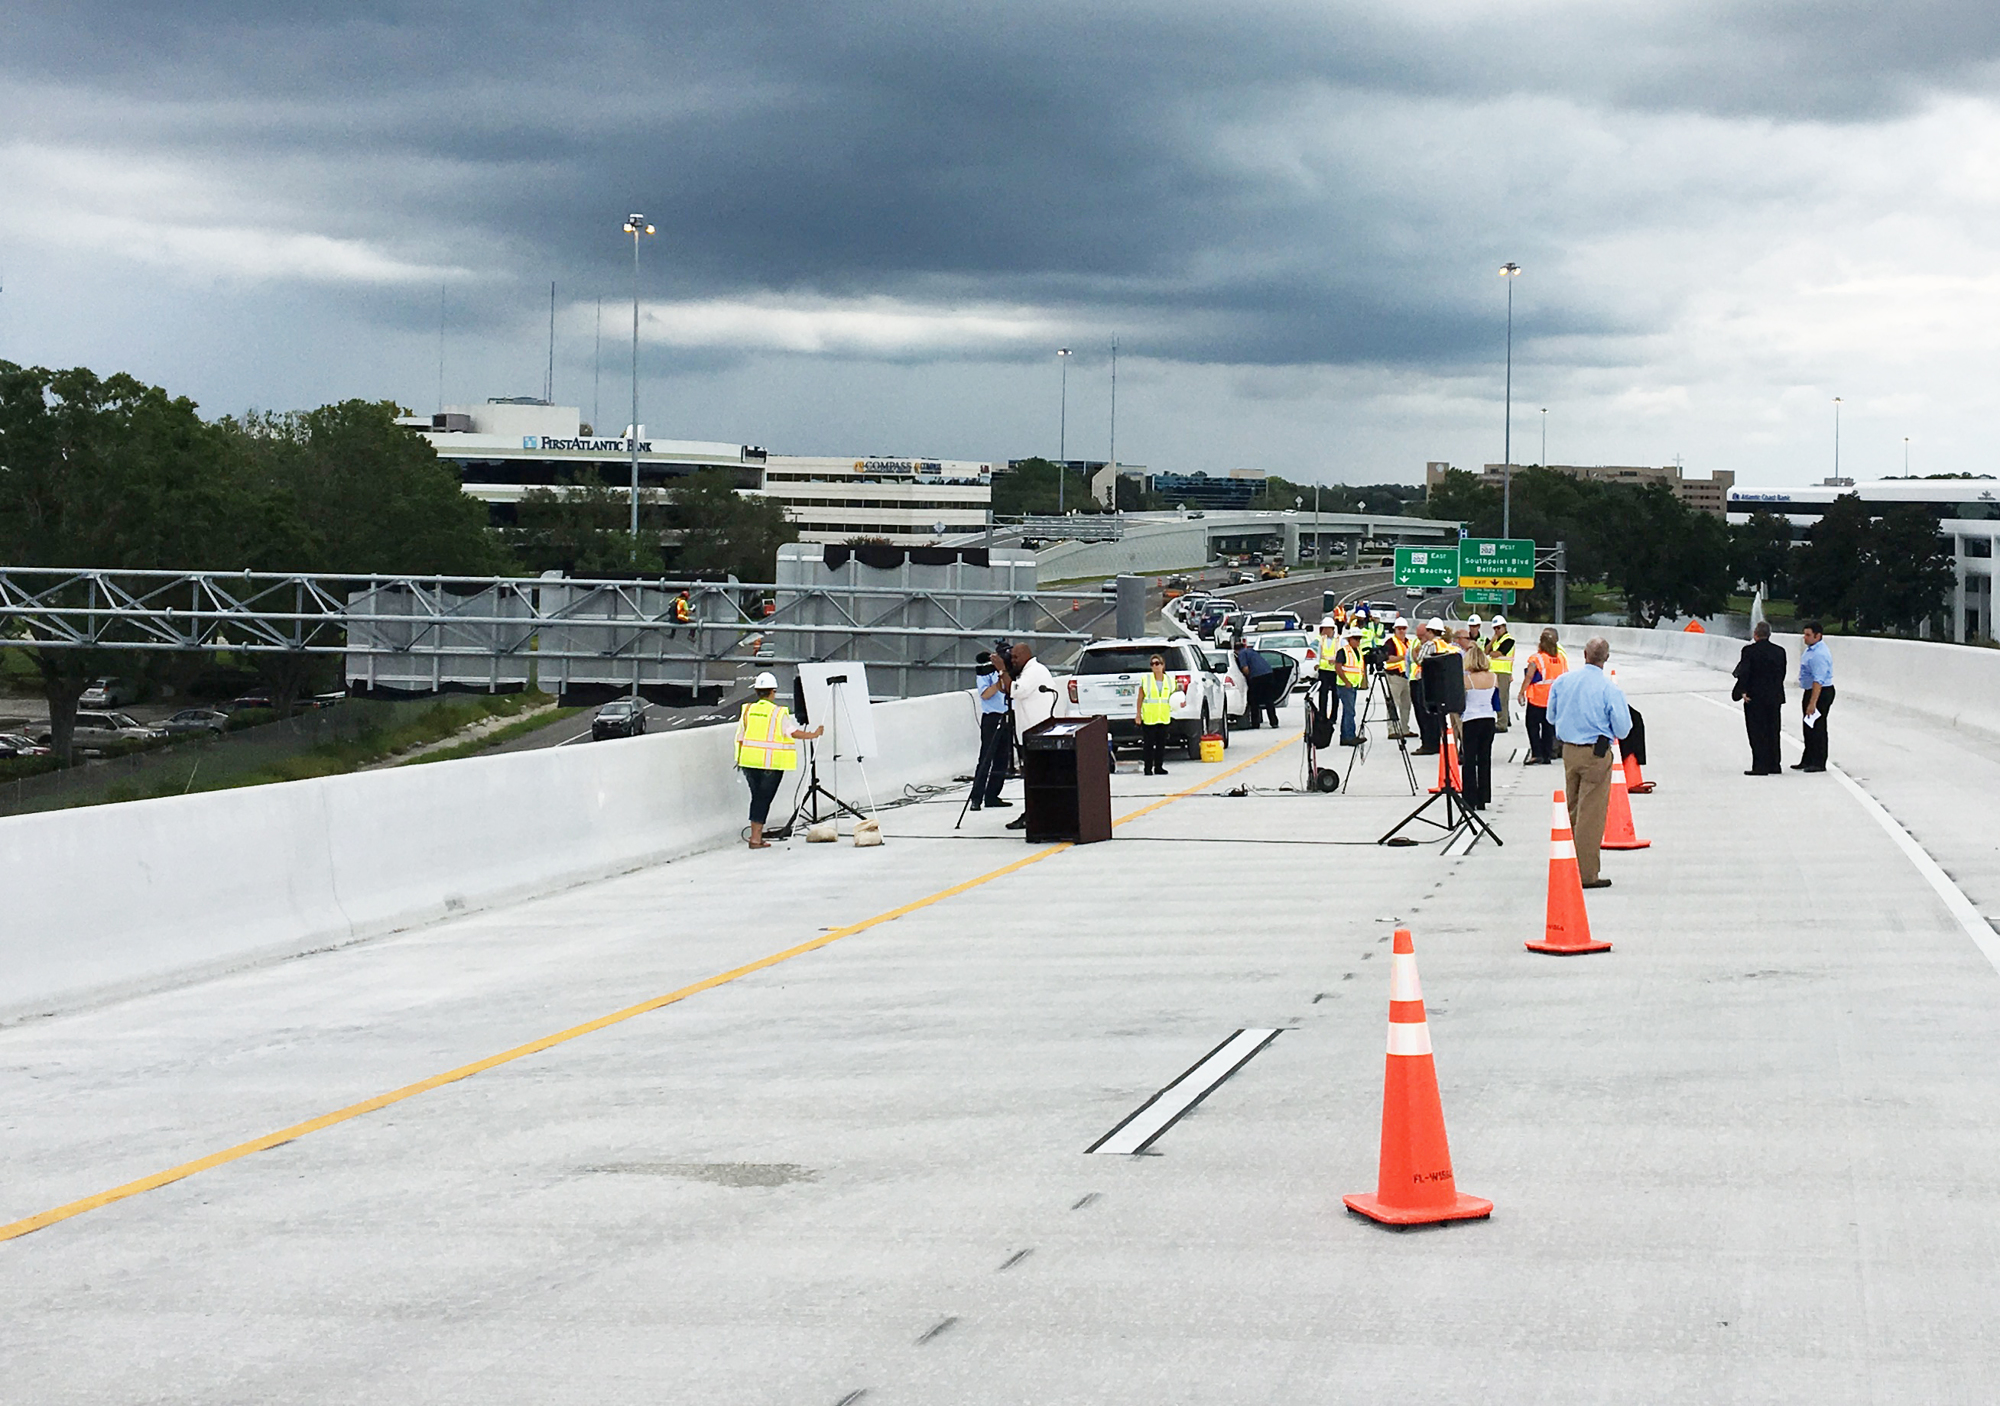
(107, 900)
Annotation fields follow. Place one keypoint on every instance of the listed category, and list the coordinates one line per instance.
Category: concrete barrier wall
(1954, 685)
(111, 899)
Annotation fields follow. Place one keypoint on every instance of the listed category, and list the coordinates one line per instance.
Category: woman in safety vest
(1156, 716)
(765, 751)
(1547, 664)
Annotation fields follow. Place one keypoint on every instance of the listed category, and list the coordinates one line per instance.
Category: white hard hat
(1434, 624)
(1355, 632)
(1472, 620)
(765, 680)
(1329, 623)
(1497, 620)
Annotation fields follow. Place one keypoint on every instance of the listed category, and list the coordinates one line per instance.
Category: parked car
(1236, 689)
(109, 693)
(1287, 670)
(256, 698)
(17, 744)
(1262, 620)
(93, 729)
(621, 717)
(1231, 628)
(1298, 644)
(1106, 684)
(193, 720)
(1212, 613)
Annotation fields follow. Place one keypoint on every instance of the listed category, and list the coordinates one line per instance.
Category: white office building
(905, 501)
(1968, 515)
(506, 448)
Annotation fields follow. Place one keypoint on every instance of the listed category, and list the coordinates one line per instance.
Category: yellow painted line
(1208, 782)
(15, 1229)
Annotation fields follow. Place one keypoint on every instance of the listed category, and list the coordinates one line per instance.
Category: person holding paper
(1816, 685)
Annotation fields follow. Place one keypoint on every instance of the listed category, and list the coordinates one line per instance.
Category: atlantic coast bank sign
(622, 446)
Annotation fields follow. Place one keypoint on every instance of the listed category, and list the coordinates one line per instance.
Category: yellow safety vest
(1352, 668)
(764, 737)
(1398, 648)
(1501, 653)
(1156, 700)
(1325, 664)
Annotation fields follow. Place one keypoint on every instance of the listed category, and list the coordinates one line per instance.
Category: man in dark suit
(1760, 684)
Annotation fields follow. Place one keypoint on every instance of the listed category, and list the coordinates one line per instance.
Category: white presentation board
(836, 698)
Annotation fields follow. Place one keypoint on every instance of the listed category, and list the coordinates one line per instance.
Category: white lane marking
(1160, 1112)
(1954, 899)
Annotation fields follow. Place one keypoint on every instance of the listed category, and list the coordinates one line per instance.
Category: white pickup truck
(1106, 684)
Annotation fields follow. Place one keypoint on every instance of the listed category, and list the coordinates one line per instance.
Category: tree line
(109, 472)
(1884, 573)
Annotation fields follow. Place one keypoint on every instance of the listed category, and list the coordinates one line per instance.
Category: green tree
(1030, 486)
(581, 528)
(1827, 572)
(1910, 574)
(719, 529)
(109, 472)
(1461, 497)
(1667, 558)
(1760, 552)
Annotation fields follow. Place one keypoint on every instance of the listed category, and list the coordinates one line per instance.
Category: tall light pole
(1545, 437)
(1508, 271)
(1113, 504)
(1836, 440)
(1906, 456)
(635, 225)
(1062, 433)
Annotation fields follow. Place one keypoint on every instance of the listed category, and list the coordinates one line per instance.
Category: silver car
(192, 720)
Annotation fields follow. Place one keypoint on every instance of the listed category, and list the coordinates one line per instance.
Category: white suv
(1105, 683)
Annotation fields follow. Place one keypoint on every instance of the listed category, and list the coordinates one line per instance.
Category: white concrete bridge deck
(1752, 1154)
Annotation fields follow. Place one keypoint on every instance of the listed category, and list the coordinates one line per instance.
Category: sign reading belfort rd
(1508, 562)
(1427, 566)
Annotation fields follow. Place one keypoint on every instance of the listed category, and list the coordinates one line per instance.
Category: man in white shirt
(1034, 691)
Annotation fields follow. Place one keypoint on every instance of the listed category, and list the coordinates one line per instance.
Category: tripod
(1380, 689)
(813, 792)
(1459, 818)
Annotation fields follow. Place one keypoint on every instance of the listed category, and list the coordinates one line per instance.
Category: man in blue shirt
(991, 690)
(1257, 681)
(1586, 710)
(1816, 688)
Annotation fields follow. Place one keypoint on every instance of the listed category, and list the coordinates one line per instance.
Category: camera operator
(990, 690)
(1033, 690)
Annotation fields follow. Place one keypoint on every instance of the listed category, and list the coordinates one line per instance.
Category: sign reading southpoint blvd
(1489, 564)
(1427, 566)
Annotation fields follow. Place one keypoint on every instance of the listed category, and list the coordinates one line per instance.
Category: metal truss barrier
(422, 633)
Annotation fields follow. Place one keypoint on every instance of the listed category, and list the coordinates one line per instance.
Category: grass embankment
(485, 742)
(368, 746)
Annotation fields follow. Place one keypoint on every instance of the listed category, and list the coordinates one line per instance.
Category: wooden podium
(1066, 781)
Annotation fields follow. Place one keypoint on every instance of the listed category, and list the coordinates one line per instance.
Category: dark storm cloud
(1107, 158)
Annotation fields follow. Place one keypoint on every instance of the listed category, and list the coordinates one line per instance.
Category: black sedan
(622, 717)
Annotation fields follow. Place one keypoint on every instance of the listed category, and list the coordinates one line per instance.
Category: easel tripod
(810, 796)
(1380, 689)
(1459, 818)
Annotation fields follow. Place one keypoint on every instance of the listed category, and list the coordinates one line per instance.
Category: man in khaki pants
(1587, 710)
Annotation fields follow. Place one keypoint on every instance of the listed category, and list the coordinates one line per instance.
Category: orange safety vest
(683, 614)
(1540, 674)
(1398, 647)
(764, 737)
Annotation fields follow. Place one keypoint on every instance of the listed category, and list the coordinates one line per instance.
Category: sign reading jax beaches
(622, 446)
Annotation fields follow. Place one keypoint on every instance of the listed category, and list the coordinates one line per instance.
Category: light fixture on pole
(1906, 456)
(1508, 271)
(1836, 441)
(1062, 432)
(635, 225)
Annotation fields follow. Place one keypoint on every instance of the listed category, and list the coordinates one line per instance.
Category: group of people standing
(1760, 687)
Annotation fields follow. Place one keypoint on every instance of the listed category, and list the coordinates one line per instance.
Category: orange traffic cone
(1618, 831)
(1567, 930)
(1413, 1181)
(1636, 783)
(1448, 761)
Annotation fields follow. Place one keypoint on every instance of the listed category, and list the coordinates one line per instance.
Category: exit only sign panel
(1497, 563)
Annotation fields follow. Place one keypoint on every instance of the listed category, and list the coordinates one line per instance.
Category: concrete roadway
(1749, 1155)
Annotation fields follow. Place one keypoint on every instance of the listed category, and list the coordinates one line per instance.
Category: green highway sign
(1475, 596)
(1427, 566)
(1489, 564)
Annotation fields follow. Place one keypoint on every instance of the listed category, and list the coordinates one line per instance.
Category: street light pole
(1062, 434)
(635, 225)
(1836, 440)
(1545, 437)
(1509, 271)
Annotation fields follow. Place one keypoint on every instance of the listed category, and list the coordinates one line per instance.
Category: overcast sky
(877, 222)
